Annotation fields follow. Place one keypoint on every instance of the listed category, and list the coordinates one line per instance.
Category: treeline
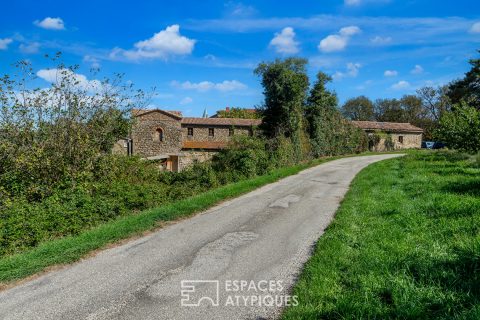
(448, 113)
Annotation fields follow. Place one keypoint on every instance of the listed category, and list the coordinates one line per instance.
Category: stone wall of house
(410, 141)
(188, 158)
(221, 133)
(120, 147)
(145, 135)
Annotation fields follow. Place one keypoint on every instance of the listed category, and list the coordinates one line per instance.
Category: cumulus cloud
(186, 100)
(4, 43)
(390, 73)
(58, 75)
(352, 71)
(50, 23)
(417, 69)
(338, 42)
(284, 42)
(475, 28)
(401, 85)
(377, 40)
(29, 48)
(162, 45)
(227, 85)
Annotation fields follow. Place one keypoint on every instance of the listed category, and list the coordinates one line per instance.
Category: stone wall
(410, 141)
(188, 158)
(221, 133)
(145, 135)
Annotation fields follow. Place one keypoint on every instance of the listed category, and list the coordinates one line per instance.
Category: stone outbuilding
(391, 135)
(176, 141)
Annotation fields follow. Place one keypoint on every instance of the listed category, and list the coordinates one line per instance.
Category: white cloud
(94, 62)
(227, 85)
(50, 23)
(284, 42)
(349, 31)
(417, 69)
(332, 43)
(338, 42)
(186, 100)
(377, 40)
(475, 28)
(58, 75)
(4, 43)
(352, 71)
(390, 73)
(29, 48)
(401, 85)
(162, 45)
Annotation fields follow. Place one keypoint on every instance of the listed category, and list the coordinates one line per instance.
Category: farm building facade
(176, 142)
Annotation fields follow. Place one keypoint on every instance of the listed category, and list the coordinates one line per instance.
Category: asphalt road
(254, 246)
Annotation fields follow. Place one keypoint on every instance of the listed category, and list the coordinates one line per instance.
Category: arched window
(160, 136)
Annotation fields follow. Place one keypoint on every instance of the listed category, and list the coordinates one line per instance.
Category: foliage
(56, 135)
(329, 132)
(359, 108)
(468, 88)
(460, 128)
(285, 84)
(239, 113)
(404, 245)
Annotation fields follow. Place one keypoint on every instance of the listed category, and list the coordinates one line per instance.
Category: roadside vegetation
(405, 244)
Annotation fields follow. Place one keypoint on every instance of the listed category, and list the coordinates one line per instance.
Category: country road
(263, 238)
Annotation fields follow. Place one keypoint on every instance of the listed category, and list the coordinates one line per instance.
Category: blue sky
(201, 54)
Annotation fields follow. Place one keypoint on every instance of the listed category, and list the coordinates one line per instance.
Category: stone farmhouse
(176, 142)
(403, 135)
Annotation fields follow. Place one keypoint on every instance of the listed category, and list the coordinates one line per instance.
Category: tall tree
(321, 104)
(389, 110)
(435, 101)
(285, 84)
(329, 132)
(359, 108)
(468, 88)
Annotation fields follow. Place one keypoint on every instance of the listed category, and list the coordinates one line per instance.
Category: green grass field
(405, 244)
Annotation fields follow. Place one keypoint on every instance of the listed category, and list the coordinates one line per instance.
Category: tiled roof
(222, 121)
(387, 126)
(139, 112)
(204, 144)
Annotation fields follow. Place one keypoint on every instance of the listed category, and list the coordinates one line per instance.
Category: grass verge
(72, 248)
(405, 244)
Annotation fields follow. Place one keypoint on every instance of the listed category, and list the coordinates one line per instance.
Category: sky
(201, 54)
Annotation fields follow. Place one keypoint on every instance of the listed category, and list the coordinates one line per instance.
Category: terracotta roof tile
(139, 112)
(222, 121)
(204, 144)
(387, 126)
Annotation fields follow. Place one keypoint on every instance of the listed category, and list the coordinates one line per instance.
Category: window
(190, 131)
(231, 131)
(211, 132)
(400, 139)
(159, 134)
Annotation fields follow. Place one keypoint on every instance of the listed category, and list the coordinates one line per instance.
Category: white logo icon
(194, 292)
